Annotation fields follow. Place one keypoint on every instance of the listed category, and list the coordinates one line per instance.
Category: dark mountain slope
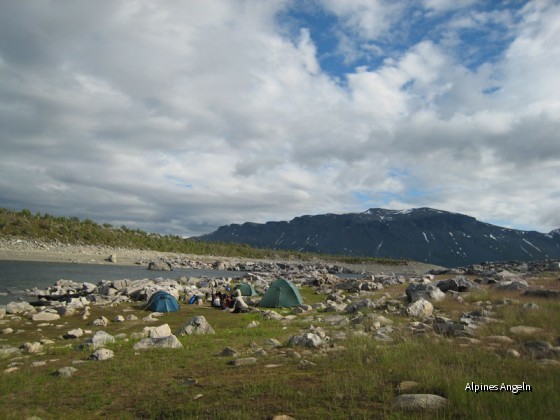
(422, 234)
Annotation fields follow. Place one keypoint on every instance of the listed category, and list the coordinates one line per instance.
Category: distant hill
(423, 234)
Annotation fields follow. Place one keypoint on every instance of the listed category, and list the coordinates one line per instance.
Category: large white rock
(19, 307)
(169, 342)
(196, 325)
(99, 339)
(307, 340)
(420, 308)
(155, 332)
(102, 354)
(31, 348)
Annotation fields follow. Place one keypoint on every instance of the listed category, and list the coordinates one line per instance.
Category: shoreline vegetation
(60, 234)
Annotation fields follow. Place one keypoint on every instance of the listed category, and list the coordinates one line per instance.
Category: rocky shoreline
(367, 306)
(33, 250)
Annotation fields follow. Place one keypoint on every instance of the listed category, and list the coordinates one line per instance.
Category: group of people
(229, 300)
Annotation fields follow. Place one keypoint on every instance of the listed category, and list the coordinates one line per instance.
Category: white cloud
(183, 116)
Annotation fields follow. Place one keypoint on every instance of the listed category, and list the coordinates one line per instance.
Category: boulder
(100, 322)
(19, 307)
(98, 340)
(31, 348)
(456, 284)
(420, 308)
(196, 325)
(102, 354)
(513, 285)
(243, 361)
(308, 340)
(420, 402)
(169, 342)
(269, 314)
(155, 332)
(75, 333)
(45, 316)
(66, 372)
(428, 292)
(159, 266)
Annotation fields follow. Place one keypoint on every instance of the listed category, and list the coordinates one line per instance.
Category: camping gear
(246, 289)
(162, 301)
(281, 293)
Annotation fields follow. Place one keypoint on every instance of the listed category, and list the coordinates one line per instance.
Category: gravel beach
(33, 250)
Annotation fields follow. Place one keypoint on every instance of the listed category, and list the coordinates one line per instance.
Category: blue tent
(162, 302)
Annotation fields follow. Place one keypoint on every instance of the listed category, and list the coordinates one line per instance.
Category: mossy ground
(358, 381)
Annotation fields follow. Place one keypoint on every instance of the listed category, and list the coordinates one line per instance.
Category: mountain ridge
(422, 234)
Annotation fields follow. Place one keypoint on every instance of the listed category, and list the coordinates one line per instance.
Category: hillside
(423, 234)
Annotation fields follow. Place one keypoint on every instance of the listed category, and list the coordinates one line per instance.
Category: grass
(71, 230)
(359, 382)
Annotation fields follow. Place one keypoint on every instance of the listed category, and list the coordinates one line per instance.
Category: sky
(181, 116)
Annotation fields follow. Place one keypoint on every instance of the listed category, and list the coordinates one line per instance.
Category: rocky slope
(423, 234)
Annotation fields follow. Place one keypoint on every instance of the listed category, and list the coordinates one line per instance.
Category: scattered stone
(102, 354)
(169, 342)
(10, 370)
(523, 330)
(272, 343)
(252, 324)
(551, 294)
(100, 322)
(530, 306)
(548, 363)
(229, 352)
(420, 308)
(429, 292)
(131, 318)
(19, 308)
(45, 316)
(8, 351)
(155, 332)
(118, 318)
(159, 266)
(75, 333)
(2, 313)
(500, 339)
(243, 361)
(112, 258)
(66, 372)
(196, 325)
(420, 402)
(38, 363)
(99, 339)
(307, 340)
(198, 396)
(513, 353)
(537, 349)
(269, 314)
(31, 348)
(282, 417)
(7, 331)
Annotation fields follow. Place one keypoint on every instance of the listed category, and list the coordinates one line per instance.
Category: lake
(16, 276)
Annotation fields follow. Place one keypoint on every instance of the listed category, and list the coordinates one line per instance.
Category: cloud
(183, 116)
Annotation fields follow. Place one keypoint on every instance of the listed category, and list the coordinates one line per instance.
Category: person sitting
(216, 301)
(239, 305)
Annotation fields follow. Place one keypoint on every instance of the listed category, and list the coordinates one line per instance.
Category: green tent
(246, 289)
(281, 293)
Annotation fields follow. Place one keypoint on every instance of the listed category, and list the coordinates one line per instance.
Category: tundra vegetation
(355, 377)
(72, 230)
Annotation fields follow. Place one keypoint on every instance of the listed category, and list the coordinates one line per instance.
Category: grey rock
(420, 402)
(243, 361)
(538, 349)
(75, 333)
(155, 332)
(159, 266)
(99, 339)
(100, 322)
(102, 354)
(544, 293)
(19, 307)
(272, 342)
(169, 342)
(196, 325)
(45, 316)
(307, 340)
(66, 372)
(428, 292)
(512, 285)
(420, 308)
(269, 314)
(9, 351)
(31, 348)
(229, 352)
(524, 330)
